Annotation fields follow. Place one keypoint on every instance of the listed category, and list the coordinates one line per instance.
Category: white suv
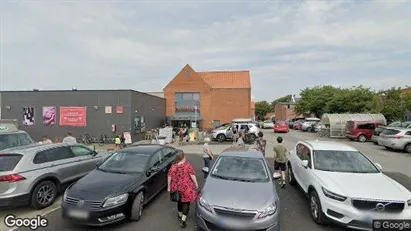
(344, 186)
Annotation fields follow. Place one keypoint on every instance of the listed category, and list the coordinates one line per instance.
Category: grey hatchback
(239, 194)
(33, 174)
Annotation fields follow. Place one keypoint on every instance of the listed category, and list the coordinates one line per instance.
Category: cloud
(287, 45)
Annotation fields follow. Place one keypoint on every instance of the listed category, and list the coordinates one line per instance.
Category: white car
(344, 186)
(267, 124)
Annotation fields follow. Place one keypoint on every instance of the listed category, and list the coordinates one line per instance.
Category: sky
(142, 45)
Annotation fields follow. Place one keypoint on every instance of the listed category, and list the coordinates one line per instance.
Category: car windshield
(125, 162)
(248, 169)
(394, 124)
(405, 124)
(14, 140)
(343, 161)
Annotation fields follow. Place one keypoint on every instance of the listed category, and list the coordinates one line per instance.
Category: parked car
(281, 126)
(396, 139)
(225, 202)
(34, 174)
(119, 187)
(376, 136)
(11, 136)
(298, 125)
(267, 124)
(361, 130)
(344, 186)
(308, 123)
(226, 133)
(292, 121)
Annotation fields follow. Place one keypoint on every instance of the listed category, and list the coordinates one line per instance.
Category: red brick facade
(218, 102)
(285, 112)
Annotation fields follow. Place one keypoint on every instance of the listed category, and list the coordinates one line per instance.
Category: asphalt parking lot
(160, 213)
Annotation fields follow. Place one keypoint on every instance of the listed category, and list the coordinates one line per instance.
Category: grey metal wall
(98, 122)
(153, 109)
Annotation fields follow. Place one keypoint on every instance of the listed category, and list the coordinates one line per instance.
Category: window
(54, 154)
(246, 169)
(81, 151)
(304, 153)
(390, 132)
(343, 161)
(9, 161)
(366, 126)
(155, 160)
(167, 154)
(14, 140)
(188, 96)
(408, 133)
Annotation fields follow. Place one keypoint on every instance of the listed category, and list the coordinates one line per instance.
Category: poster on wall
(73, 116)
(137, 128)
(28, 116)
(108, 109)
(49, 115)
(119, 109)
(127, 137)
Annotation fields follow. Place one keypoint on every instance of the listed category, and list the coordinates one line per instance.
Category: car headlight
(117, 200)
(409, 202)
(205, 205)
(334, 196)
(270, 210)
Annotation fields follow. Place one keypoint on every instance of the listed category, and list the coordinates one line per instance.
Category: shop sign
(73, 116)
(187, 109)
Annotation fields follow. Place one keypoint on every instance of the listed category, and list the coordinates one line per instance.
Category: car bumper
(281, 129)
(351, 136)
(268, 126)
(357, 219)
(95, 218)
(14, 201)
(375, 139)
(391, 143)
(210, 222)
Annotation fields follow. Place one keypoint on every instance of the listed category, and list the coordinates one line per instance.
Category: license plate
(78, 214)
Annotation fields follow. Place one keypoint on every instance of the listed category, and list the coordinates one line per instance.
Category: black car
(119, 187)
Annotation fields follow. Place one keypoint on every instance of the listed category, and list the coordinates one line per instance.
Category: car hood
(99, 185)
(239, 195)
(371, 186)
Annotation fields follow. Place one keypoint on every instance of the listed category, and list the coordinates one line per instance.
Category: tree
(284, 99)
(315, 100)
(351, 100)
(395, 104)
(262, 108)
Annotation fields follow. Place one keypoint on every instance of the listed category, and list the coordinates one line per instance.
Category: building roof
(226, 79)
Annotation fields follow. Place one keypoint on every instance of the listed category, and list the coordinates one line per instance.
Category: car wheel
(315, 208)
(221, 138)
(291, 179)
(43, 195)
(252, 137)
(137, 207)
(362, 138)
(389, 148)
(376, 143)
(407, 148)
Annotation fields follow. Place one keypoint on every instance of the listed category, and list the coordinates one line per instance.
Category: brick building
(208, 99)
(285, 112)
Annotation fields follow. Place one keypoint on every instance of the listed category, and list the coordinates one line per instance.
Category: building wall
(152, 108)
(283, 113)
(98, 122)
(229, 104)
(188, 81)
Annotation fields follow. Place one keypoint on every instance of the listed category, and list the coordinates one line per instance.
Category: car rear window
(390, 132)
(9, 161)
(350, 125)
(281, 123)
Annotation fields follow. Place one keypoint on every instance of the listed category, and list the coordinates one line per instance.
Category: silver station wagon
(34, 174)
(239, 194)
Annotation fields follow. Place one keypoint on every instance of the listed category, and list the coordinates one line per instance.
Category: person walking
(207, 154)
(240, 141)
(117, 142)
(235, 133)
(46, 140)
(182, 185)
(69, 139)
(261, 143)
(280, 159)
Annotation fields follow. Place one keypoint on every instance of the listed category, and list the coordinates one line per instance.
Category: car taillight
(12, 178)
(398, 137)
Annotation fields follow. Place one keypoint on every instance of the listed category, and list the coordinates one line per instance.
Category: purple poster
(49, 115)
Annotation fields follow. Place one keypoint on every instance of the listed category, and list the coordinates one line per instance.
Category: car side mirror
(304, 163)
(378, 166)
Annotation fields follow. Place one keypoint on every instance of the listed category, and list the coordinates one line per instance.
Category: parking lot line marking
(43, 214)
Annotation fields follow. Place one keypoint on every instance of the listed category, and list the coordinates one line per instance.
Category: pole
(195, 115)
